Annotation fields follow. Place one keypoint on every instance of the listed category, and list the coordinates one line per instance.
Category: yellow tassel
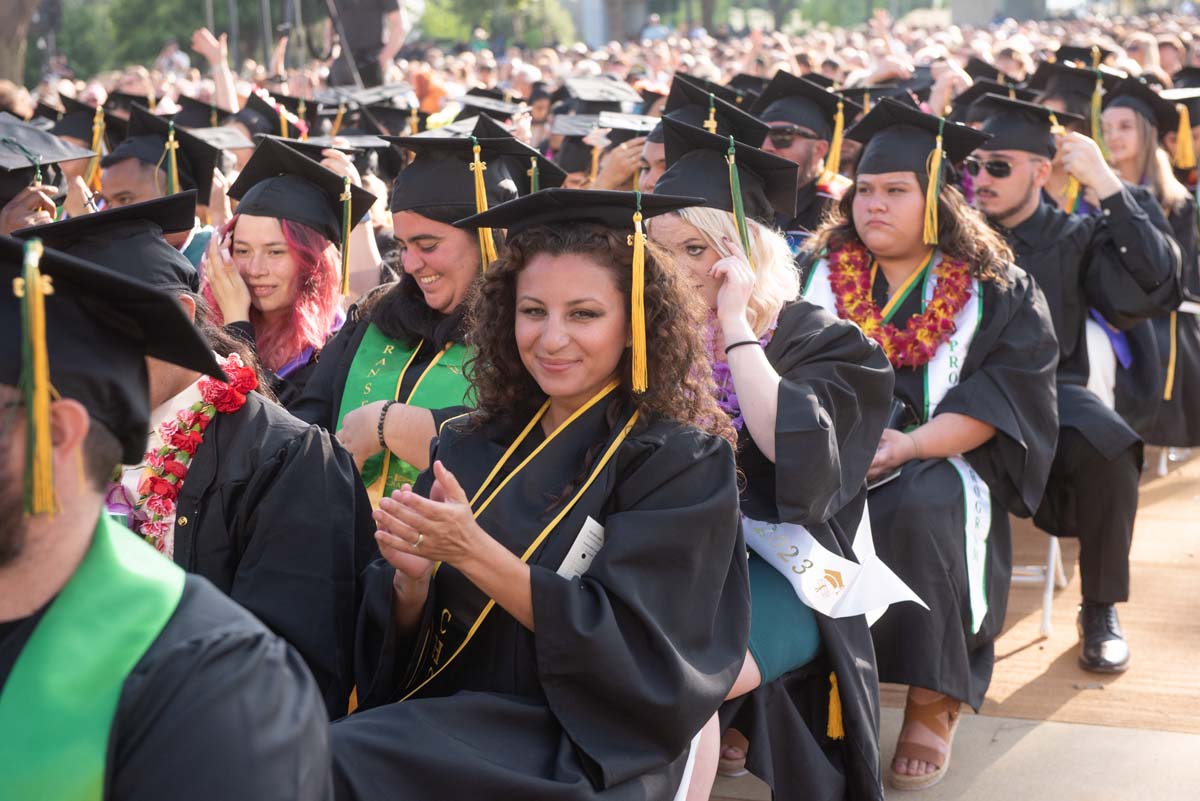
(92, 176)
(414, 121)
(487, 245)
(1073, 187)
(934, 171)
(640, 368)
(833, 160)
(172, 161)
(1012, 93)
(152, 102)
(710, 124)
(347, 227)
(866, 104)
(1185, 149)
(302, 113)
(32, 288)
(1173, 354)
(337, 121)
(595, 168)
(1097, 106)
(835, 729)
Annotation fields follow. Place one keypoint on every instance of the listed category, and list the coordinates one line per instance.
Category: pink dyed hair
(318, 283)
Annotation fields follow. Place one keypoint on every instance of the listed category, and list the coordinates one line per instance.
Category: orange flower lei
(916, 344)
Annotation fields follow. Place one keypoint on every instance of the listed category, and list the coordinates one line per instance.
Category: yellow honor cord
(92, 175)
(1184, 156)
(1172, 356)
(487, 245)
(640, 363)
(337, 121)
(833, 160)
(933, 169)
(31, 288)
(347, 227)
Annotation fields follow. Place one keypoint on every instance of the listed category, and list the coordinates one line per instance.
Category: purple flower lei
(726, 392)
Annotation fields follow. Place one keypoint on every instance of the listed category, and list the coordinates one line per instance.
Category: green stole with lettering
(57, 707)
(378, 370)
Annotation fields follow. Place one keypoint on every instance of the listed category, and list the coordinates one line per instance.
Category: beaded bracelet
(382, 417)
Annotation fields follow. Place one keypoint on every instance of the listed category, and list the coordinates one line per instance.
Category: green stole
(57, 707)
(376, 374)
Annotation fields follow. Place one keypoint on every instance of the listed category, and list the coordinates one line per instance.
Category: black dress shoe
(1104, 649)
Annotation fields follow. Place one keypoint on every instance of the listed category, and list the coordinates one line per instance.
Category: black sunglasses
(997, 168)
(782, 136)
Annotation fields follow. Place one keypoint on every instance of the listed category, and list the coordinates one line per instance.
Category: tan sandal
(733, 766)
(929, 716)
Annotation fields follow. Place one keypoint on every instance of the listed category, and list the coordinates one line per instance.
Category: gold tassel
(1012, 93)
(487, 245)
(212, 116)
(835, 729)
(710, 124)
(347, 227)
(866, 104)
(1185, 149)
(1097, 107)
(1172, 357)
(933, 168)
(172, 160)
(595, 168)
(640, 368)
(302, 113)
(833, 160)
(32, 288)
(1073, 187)
(535, 175)
(152, 102)
(92, 176)
(337, 121)
(414, 122)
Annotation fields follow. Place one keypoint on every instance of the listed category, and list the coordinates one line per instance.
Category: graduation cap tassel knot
(833, 161)
(347, 226)
(710, 124)
(337, 121)
(32, 288)
(487, 245)
(1185, 149)
(92, 175)
(933, 168)
(735, 190)
(639, 362)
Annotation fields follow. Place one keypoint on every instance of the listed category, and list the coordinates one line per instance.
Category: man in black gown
(271, 510)
(1118, 262)
(120, 676)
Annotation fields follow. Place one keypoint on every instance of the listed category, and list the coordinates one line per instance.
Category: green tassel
(735, 189)
(347, 226)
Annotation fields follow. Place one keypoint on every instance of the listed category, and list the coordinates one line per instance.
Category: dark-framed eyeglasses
(997, 168)
(783, 136)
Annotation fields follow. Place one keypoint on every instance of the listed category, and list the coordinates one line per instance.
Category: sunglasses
(997, 168)
(782, 137)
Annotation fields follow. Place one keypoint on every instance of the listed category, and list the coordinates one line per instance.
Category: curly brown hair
(963, 233)
(680, 386)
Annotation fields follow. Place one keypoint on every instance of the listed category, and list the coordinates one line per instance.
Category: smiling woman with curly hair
(571, 515)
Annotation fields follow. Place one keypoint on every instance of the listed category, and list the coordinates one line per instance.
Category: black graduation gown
(403, 315)
(1177, 422)
(285, 389)
(217, 707)
(629, 661)
(918, 518)
(273, 513)
(833, 401)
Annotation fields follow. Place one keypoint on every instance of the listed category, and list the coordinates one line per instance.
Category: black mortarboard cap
(1186, 78)
(474, 105)
(963, 107)
(147, 142)
(99, 328)
(802, 102)
(1020, 125)
(74, 119)
(1188, 97)
(979, 69)
(593, 95)
(729, 94)
(507, 95)
(899, 138)
(819, 79)
(1084, 55)
(282, 183)
(748, 84)
(440, 183)
(124, 101)
(1133, 93)
(867, 96)
(1055, 79)
(195, 113)
(129, 240)
(261, 116)
(623, 127)
(698, 167)
(24, 150)
(690, 104)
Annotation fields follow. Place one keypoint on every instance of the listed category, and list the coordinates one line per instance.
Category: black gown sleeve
(833, 400)
(1013, 388)
(1133, 262)
(219, 708)
(1184, 228)
(638, 652)
(304, 522)
(318, 404)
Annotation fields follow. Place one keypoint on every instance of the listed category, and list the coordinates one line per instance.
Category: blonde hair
(776, 280)
(1154, 168)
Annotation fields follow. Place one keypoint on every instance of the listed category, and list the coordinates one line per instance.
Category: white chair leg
(1163, 462)
(1060, 575)
(1053, 569)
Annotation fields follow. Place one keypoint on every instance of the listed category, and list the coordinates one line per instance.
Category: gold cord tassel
(710, 124)
(487, 245)
(302, 113)
(172, 160)
(32, 288)
(1185, 149)
(835, 729)
(640, 368)
(152, 102)
(347, 227)
(1073, 187)
(337, 121)
(414, 121)
(92, 175)
(866, 104)
(535, 175)
(1097, 107)
(933, 168)
(833, 160)
(595, 168)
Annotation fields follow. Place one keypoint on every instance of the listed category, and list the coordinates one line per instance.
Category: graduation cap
(619, 211)
(389, 120)
(1084, 55)
(868, 96)
(187, 158)
(129, 240)
(574, 154)
(307, 111)
(125, 101)
(749, 84)
(474, 105)
(963, 107)
(1189, 97)
(801, 102)
(507, 95)
(729, 94)
(688, 103)
(195, 113)
(1165, 115)
(979, 70)
(27, 154)
(898, 138)
(282, 183)
(261, 115)
(72, 329)
(819, 79)
(1021, 125)
(593, 95)
(1186, 78)
(737, 178)
(650, 93)
(1063, 80)
(314, 146)
(458, 128)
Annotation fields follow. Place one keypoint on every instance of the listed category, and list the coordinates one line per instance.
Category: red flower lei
(916, 344)
(167, 466)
